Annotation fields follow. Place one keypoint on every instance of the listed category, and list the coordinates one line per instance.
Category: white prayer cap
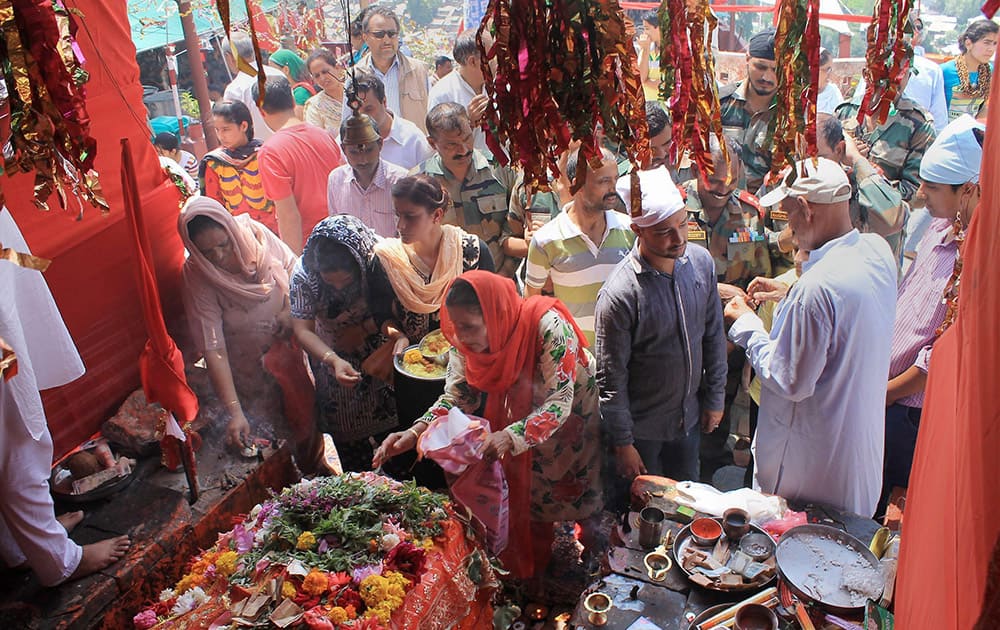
(660, 197)
(819, 180)
(956, 155)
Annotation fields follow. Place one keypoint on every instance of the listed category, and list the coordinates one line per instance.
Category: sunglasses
(383, 34)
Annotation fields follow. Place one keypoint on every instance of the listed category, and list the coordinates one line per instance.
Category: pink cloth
(373, 206)
(296, 161)
(214, 297)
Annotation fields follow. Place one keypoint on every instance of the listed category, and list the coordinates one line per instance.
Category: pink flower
(243, 539)
(360, 573)
(316, 619)
(323, 546)
(145, 620)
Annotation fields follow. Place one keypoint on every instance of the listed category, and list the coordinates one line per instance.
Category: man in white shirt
(363, 186)
(464, 86)
(824, 365)
(403, 143)
(239, 88)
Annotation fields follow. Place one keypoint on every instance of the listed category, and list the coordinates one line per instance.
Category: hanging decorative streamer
(888, 58)
(792, 129)
(555, 70)
(687, 80)
(50, 128)
(241, 64)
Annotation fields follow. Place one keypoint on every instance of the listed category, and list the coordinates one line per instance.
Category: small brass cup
(597, 604)
(657, 565)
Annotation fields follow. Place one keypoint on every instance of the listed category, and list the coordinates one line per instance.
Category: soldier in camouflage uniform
(747, 107)
(727, 221)
(480, 191)
(898, 145)
(876, 205)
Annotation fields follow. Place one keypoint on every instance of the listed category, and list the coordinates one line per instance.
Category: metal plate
(830, 567)
(102, 491)
(397, 361)
(684, 540)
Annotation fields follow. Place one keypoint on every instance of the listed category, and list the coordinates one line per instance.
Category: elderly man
(363, 186)
(949, 175)
(465, 86)
(294, 164)
(405, 78)
(403, 143)
(747, 107)
(579, 248)
(239, 89)
(480, 193)
(659, 314)
(820, 428)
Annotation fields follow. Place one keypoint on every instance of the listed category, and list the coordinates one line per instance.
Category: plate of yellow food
(413, 363)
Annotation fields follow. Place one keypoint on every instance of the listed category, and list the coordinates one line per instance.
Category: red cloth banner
(91, 273)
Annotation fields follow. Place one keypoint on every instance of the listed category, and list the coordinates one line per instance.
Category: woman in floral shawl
(332, 320)
(529, 358)
(230, 174)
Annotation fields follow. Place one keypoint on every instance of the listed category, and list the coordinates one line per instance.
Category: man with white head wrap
(819, 432)
(661, 347)
(949, 173)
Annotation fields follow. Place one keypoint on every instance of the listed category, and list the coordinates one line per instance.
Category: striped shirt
(373, 206)
(578, 267)
(920, 306)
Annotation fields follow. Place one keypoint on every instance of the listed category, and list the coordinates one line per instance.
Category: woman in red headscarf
(529, 358)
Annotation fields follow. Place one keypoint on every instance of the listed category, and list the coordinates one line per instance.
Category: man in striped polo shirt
(581, 246)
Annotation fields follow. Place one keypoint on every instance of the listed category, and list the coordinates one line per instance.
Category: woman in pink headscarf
(236, 299)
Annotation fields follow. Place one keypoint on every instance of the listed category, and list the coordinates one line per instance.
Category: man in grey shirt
(661, 346)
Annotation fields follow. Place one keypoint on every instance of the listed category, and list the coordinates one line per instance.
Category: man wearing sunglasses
(405, 78)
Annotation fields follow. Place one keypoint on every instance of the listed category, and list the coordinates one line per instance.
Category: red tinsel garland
(796, 49)
(555, 71)
(887, 60)
(687, 81)
(50, 127)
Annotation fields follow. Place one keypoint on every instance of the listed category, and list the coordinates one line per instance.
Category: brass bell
(359, 129)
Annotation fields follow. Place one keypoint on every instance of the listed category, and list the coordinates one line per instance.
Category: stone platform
(166, 531)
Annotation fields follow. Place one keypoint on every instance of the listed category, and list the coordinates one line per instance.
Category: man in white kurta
(31, 325)
(820, 430)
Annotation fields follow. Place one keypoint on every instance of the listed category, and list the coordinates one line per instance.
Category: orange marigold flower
(316, 583)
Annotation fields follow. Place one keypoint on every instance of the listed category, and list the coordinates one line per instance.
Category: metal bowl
(760, 547)
(819, 563)
(441, 358)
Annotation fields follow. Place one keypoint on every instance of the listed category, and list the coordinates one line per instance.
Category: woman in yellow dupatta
(410, 274)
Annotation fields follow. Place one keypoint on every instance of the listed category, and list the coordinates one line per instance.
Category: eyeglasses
(382, 34)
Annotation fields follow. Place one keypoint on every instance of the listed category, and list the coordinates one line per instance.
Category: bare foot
(70, 520)
(100, 555)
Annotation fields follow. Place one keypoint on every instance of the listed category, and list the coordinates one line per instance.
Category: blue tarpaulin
(156, 23)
